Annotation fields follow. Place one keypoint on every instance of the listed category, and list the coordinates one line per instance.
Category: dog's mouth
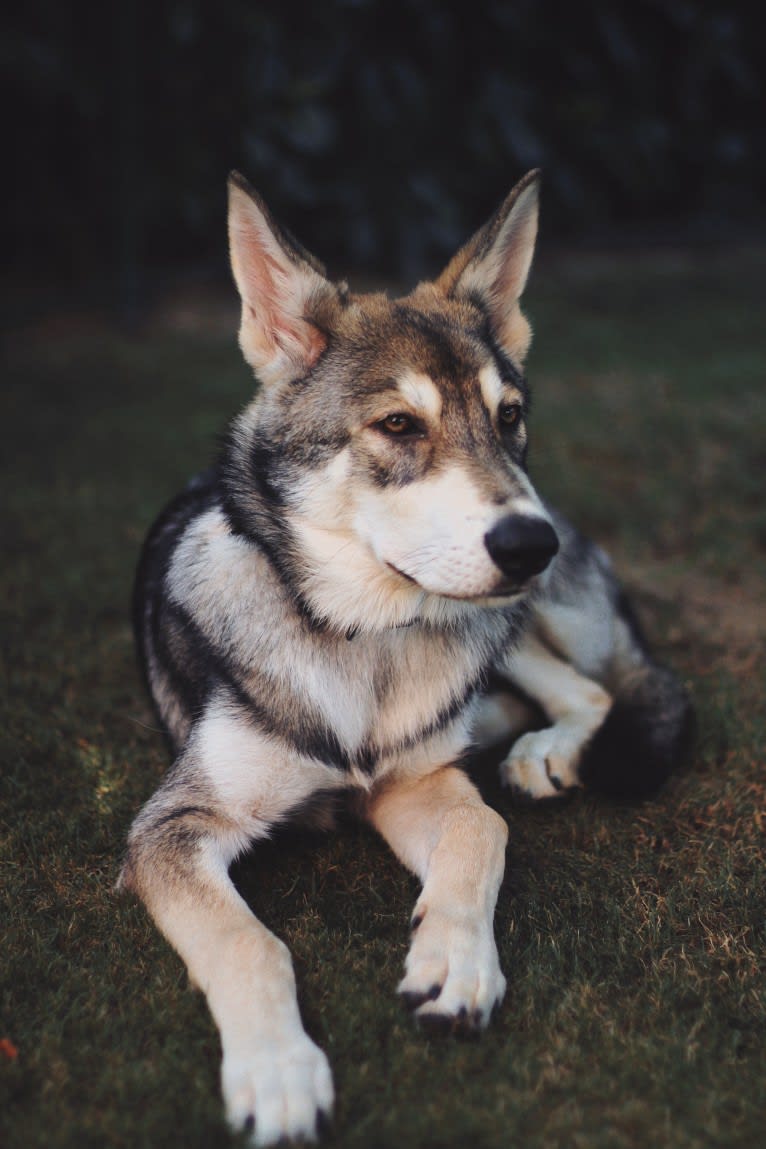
(402, 574)
(508, 589)
(502, 591)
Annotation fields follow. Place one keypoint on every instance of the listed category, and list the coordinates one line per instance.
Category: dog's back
(174, 675)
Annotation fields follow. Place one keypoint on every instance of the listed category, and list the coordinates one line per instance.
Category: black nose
(521, 546)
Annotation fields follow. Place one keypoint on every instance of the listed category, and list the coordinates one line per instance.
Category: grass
(632, 936)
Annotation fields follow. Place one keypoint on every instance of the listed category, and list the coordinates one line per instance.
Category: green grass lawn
(632, 936)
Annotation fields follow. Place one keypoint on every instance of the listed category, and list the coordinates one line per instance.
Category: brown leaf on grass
(8, 1049)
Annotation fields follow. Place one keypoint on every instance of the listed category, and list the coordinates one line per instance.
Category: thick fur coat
(322, 611)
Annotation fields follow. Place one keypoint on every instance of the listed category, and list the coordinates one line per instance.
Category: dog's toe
(278, 1096)
(541, 765)
(453, 977)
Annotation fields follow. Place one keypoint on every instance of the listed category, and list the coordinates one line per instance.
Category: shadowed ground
(632, 936)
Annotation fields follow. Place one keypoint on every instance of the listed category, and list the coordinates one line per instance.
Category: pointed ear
(493, 266)
(279, 284)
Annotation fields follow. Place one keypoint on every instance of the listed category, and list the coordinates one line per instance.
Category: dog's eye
(509, 414)
(398, 424)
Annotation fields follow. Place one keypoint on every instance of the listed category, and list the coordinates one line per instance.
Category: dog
(320, 614)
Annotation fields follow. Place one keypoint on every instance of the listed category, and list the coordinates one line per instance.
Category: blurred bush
(381, 131)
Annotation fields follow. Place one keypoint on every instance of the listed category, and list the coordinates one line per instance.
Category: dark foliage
(381, 130)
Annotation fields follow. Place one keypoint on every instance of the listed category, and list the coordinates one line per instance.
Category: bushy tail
(645, 735)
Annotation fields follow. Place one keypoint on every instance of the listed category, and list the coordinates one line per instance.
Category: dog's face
(389, 437)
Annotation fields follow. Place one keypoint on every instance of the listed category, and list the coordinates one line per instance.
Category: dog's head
(382, 461)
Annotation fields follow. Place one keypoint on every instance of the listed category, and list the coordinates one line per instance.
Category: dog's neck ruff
(347, 596)
(353, 631)
(363, 610)
(428, 613)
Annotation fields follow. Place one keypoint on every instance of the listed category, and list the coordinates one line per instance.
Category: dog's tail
(647, 732)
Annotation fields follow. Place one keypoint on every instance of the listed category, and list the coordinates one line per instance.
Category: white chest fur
(379, 693)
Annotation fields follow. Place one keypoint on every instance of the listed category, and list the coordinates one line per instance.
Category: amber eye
(509, 414)
(398, 424)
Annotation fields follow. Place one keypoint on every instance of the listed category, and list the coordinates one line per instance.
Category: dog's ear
(493, 266)
(280, 286)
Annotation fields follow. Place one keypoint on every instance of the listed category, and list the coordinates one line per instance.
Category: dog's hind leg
(222, 793)
(441, 829)
(544, 763)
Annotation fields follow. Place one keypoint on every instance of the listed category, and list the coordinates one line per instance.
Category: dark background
(381, 131)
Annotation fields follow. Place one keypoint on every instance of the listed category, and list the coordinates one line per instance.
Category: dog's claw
(462, 1025)
(542, 764)
(274, 1097)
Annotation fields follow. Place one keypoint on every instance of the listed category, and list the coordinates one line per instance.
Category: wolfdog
(321, 613)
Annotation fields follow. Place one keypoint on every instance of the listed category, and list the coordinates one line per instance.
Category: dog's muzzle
(521, 546)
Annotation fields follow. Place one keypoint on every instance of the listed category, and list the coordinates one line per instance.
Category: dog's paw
(543, 764)
(279, 1091)
(452, 974)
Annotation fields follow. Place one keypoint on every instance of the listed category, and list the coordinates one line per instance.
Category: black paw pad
(413, 999)
(418, 918)
(249, 1126)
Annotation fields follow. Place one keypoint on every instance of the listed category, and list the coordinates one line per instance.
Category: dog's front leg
(276, 1082)
(544, 763)
(441, 829)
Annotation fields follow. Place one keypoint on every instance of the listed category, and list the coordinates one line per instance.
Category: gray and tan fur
(321, 612)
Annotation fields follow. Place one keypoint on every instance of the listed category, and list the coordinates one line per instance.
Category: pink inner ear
(517, 249)
(275, 291)
(302, 335)
(272, 332)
